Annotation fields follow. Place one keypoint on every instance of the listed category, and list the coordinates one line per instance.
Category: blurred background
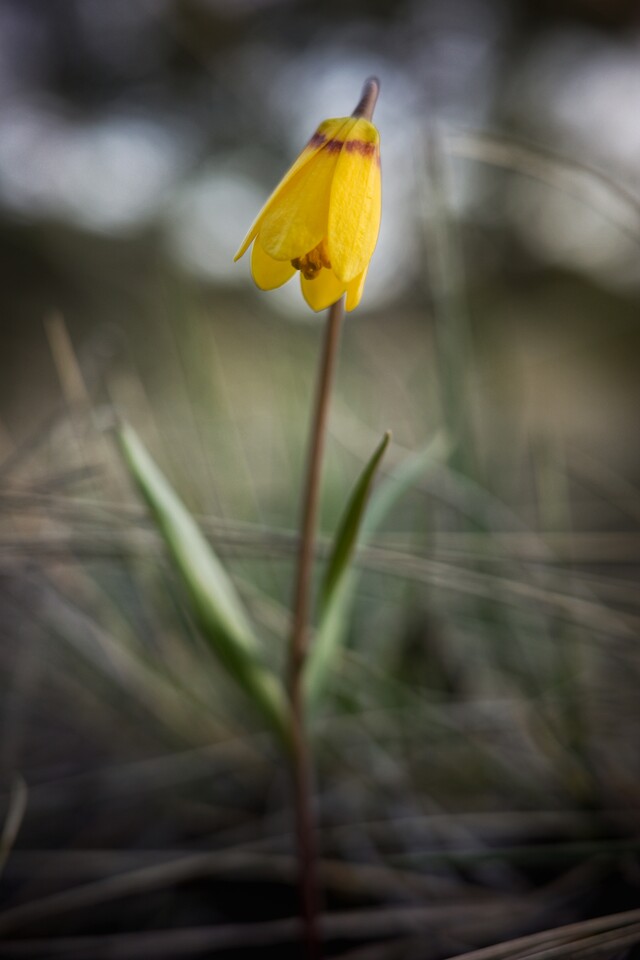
(478, 762)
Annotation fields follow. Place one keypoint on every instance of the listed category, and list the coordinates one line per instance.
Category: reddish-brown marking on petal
(317, 140)
(364, 147)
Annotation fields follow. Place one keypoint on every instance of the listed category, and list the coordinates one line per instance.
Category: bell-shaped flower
(323, 217)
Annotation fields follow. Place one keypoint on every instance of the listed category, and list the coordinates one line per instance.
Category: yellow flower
(323, 217)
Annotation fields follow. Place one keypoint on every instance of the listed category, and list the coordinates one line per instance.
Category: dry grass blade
(543, 165)
(586, 939)
(353, 879)
(391, 922)
(13, 820)
(590, 613)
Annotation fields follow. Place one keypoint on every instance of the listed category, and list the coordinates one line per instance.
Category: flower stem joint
(322, 219)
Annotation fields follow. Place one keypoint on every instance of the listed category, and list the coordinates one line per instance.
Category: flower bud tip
(368, 100)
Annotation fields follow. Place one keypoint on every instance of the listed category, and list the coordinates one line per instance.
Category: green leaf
(215, 603)
(339, 591)
(349, 527)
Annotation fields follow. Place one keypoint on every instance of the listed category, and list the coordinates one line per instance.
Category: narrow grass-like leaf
(335, 614)
(335, 580)
(345, 539)
(215, 603)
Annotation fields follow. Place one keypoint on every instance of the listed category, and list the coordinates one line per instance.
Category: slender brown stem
(301, 754)
(302, 766)
(312, 490)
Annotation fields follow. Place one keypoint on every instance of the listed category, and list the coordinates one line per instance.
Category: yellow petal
(323, 290)
(354, 291)
(296, 220)
(267, 272)
(325, 134)
(354, 212)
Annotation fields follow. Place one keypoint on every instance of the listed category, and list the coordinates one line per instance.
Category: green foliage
(216, 606)
(334, 590)
(340, 580)
(215, 603)
(349, 527)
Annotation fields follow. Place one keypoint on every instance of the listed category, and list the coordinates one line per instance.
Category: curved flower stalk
(321, 220)
(323, 217)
